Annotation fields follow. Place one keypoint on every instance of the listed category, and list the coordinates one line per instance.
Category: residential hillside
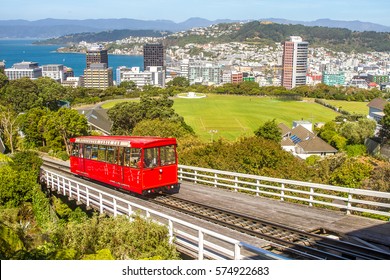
(265, 32)
(255, 32)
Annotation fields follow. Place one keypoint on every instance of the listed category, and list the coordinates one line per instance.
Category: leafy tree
(269, 130)
(114, 91)
(15, 187)
(22, 95)
(49, 92)
(26, 161)
(357, 132)
(128, 85)
(178, 82)
(385, 122)
(139, 239)
(126, 115)
(62, 125)
(9, 126)
(30, 126)
(338, 141)
(162, 128)
(250, 155)
(3, 80)
(351, 174)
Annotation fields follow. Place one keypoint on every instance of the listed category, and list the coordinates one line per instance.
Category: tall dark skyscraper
(96, 55)
(154, 55)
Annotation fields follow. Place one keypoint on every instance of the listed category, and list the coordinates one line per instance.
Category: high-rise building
(96, 54)
(294, 62)
(98, 76)
(154, 55)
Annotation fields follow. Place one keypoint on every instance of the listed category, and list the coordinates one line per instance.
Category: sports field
(352, 107)
(231, 116)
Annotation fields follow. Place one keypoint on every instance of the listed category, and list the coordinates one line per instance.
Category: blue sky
(376, 11)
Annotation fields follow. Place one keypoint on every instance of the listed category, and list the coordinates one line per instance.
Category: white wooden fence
(205, 243)
(346, 199)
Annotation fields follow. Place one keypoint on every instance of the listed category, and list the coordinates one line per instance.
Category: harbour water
(14, 51)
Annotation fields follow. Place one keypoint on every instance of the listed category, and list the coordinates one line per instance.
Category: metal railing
(312, 194)
(205, 243)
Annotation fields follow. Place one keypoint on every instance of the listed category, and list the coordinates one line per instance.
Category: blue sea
(14, 51)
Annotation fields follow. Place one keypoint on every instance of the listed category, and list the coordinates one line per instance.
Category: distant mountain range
(49, 28)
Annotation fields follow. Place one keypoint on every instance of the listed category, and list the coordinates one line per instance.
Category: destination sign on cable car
(103, 142)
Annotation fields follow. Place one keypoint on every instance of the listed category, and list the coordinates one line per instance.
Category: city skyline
(375, 11)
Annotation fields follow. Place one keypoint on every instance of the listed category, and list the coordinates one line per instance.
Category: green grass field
(231, 116)
(352, 107)
(235, 116)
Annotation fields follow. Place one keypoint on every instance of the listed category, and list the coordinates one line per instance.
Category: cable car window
(151, 157)
(119, 155)
(167, 155)
(102, 153)
(127, 157)
(110, 154)
(75, 150)
(135, 157)
(94, 154)
(88, 151)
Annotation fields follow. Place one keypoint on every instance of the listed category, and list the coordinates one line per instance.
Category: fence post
(170, 230)
(180, 174)
(87, 194)
(58, 184)
(215, 179)
(282, 193)
(235, 183)
(311, 196)
(63, 185)
(237, 251)
(78, 192)
(196, 177)
(114, 206)
(70, 189)
(257, 187)
(100, 203)
(349, 203)
(200, 245)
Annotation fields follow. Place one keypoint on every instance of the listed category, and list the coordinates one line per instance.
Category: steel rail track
(284, 239)
(311, 244)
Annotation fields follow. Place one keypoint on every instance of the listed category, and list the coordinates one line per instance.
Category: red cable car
(137, 164)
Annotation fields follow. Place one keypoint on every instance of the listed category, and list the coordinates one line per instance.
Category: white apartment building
(24, 69)
(209, 74)
(135, 75)
(158, 75)
(54, 71)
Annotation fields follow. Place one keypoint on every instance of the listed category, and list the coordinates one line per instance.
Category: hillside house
(98, 120)
(302, 142)
(376, 107)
